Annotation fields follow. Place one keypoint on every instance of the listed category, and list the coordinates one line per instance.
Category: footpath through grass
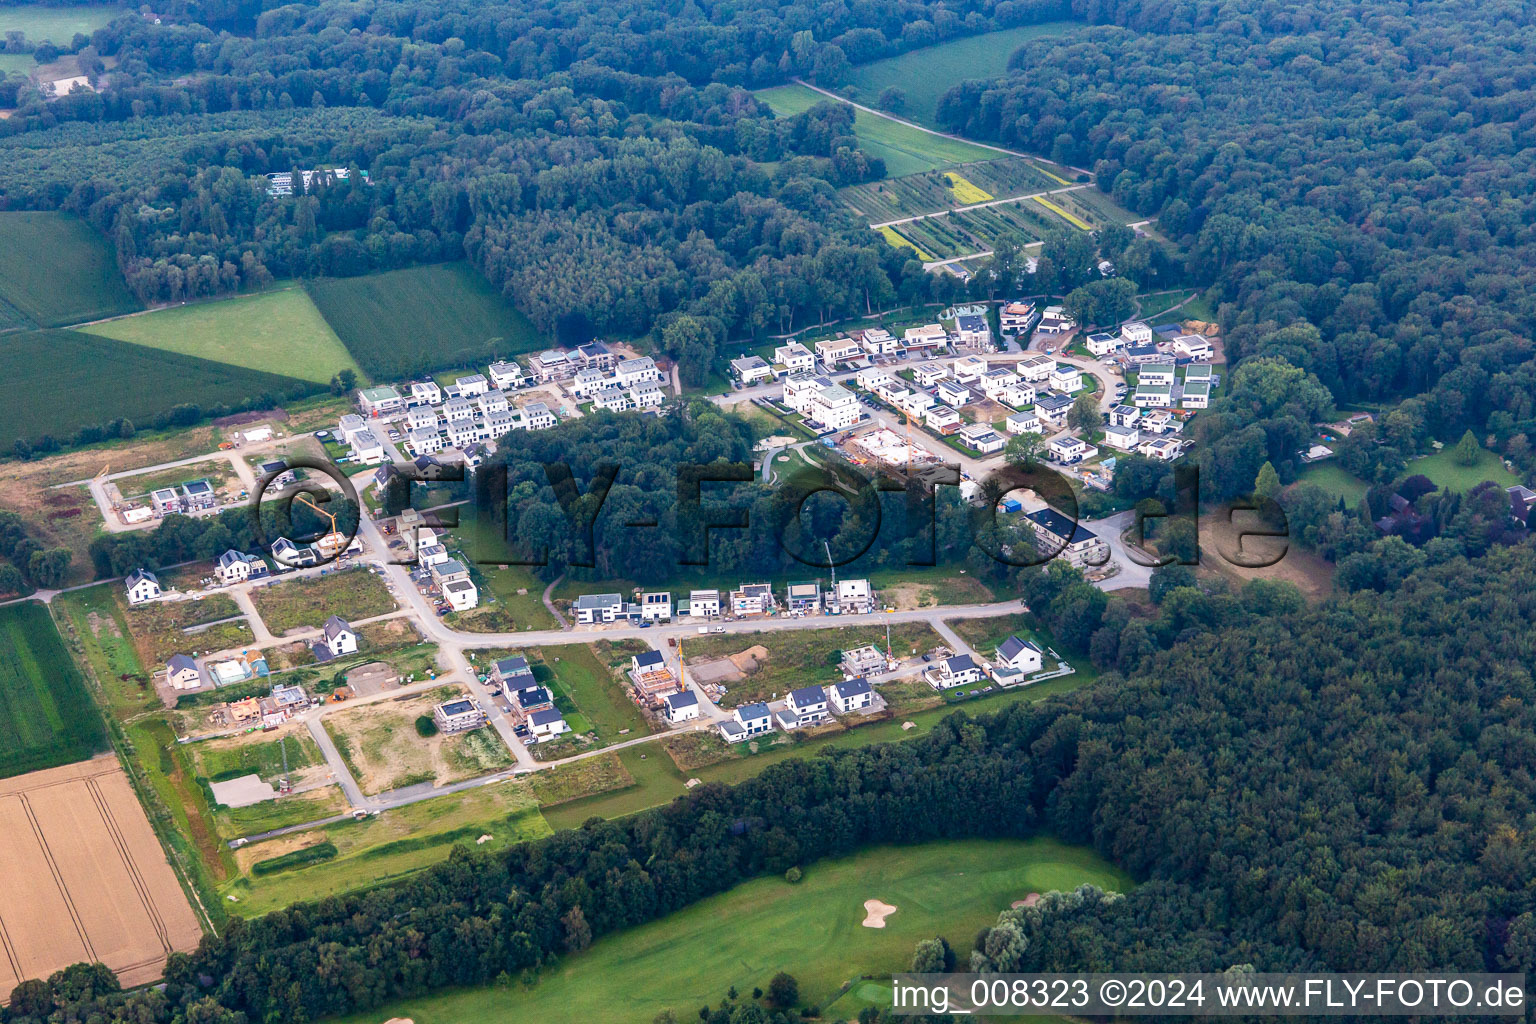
(813, 930)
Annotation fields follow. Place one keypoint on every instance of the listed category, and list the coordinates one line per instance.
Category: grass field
(17, 63)
(276, 332)
(1335, 479)
(1445, 471)
(582, 674)
(407, 322)
(56, 24)
(58, 369)
(925, 75)
(905, 150)
(159, 629)
(57, 270)
(46, 716)
(812, 930)
(294, 604)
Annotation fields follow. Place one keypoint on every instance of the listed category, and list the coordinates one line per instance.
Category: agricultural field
(381, 848)
(898, 240)
(932, 191)
(306, 603)
(56, 270)
(275, 332)
(966, 192)
(48, 717)
(948, 235)
(812, 929)
(1060, 209)
(59, 25)
(798, 657)
(407, 322)
(905, 149)
(86, 878)
(58, 367)
(925, 75)
(383, 750)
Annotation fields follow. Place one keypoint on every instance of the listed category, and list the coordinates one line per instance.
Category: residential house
(704, 603)
(458, 410)
(198, 496)
(967, 369)
(1136, 333)
(338, 636)
(862, 661)
(834, 408)
(472, 384)
(795, 358)
(554, 365)
(1199, 371)
(1052, 407)
(1192, 346)
(592, 609)
(1163, 449)
(1103, 343)
(872, 379)
(647, 395)
(166, 500)
(929, 374)
(1035, 368)
(367, 448)
(1067, 449)
(1159, 422)
(913, 403)
(801, 389)
(1521, 501)
(853, 597)
(752, 599)
(638, 370)
(526, 698)
(1152, 396)
(425, 392)
(803, 597)
(508, 374)
(942, 418)
(1123, 415)
(462, 595)
(350, 426)
(656, 606)
(614, 399)
(547, 724)
(596, 353)
(1055, 321)
(809, 703)
(750, 720)
(458, 715)
(425, 442)
(1158, 373)
(832, 351)
(1015, 317)
(952, 393)
(512, 674)
(380, 401)
(1071, 541)
(982, 438)
(422, 417)
(1196, 395)
(1066, 378)
(234, 566)
(588, 381)
(851, 695)
(878, 341)
(447, 571)
(535, 416)
(994, 382)
(1125, 439)
(652, 679)
(492, 403)
(751, 369)
(974, 331)
(1136, 355)
(142, 586)
(1021, 655)
(680, 707)
(929, 336)
(182, 673)
(959, 670)
(292, 556)
(1023, 422)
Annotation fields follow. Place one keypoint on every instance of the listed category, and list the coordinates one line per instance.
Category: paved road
(349, 786)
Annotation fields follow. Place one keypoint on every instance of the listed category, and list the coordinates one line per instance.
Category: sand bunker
(1027, 901)
(876, 912)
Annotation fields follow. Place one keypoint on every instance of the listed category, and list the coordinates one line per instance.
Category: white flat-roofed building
(554, 364)
(1016, 316)
(704, 604)
(914, 403)
(656, 606)
(458, 715)
(1067, 449)
(1123, 415)
(872, 379)
(1125, 439)
(472, 384)
(952, 393)
(751, 370)
(832, 351)
(367, 448)
(1197, 395)
(1066, 378)
(426, 392)
(350, 426)
(1103, 343)
(592, 609)
(380, 401)
(1163, 449)
(878, 341)
(1194, 346)
(422, 417)
(982, 438)
(938, 417)
(1153, 396)
(508, 374)
(795, 358)
(800, 391)
(835, 408)
(929, 374)
(853, 597)
(613, 399)
(1022, 422)
(752, 599)
(926, 336)
(1035, 368)
(1155, 373)
(967, 369)
(462, 595)
(1135, 333)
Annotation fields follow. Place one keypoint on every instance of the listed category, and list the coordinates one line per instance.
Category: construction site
(885, 447)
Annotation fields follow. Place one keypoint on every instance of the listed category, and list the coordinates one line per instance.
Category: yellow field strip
(1069, 218)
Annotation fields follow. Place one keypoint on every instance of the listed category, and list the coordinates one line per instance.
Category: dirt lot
(380, 744)
(87, 879)
(1311, 573)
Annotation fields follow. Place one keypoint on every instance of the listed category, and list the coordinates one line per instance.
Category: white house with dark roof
(638, 370)
(1125, 439)
(851, 695)
(952, 393)
(461, 595)
(1067, 449)
(535, 416)
(750, 720)
(973, 330)
(143, 586)
(1021, 655)
(237, 566)
(1124, 415)
(680, 707)
(1022, 422)
(547, 724)
(982, 438)
(592, 609)
(1073, 542)
(809, 703)
(1103, 343)
(959, 670)
(472, 384)
(656, 606)
(751, 369)
(338, 636)
(512, 673)
(182, 673)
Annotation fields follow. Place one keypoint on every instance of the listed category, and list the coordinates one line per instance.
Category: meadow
(296, 604)
(56, 24)
(925, 75)
(1443, 469)
(275, 332)
(812, 929)
(71, 379)
(905, 149)
(57, 270)
(406, 322)
(48, 718)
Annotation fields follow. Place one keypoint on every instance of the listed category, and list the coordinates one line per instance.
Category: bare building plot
(88, 880)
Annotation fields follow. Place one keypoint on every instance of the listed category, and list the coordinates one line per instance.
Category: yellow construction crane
(334, 539)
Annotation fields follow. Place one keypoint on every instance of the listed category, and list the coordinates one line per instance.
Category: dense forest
(1342, 787)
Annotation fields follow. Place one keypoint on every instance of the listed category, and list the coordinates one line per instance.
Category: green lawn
(406, 322)
(1445, 471)
(813, 930)
(582, 674)
(925, 75)
(57, 270)
(278, 332)
(46, 717)
(1157, 304)
(56, 24)
(17, 63)
(1336, 480)
(905, 150)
